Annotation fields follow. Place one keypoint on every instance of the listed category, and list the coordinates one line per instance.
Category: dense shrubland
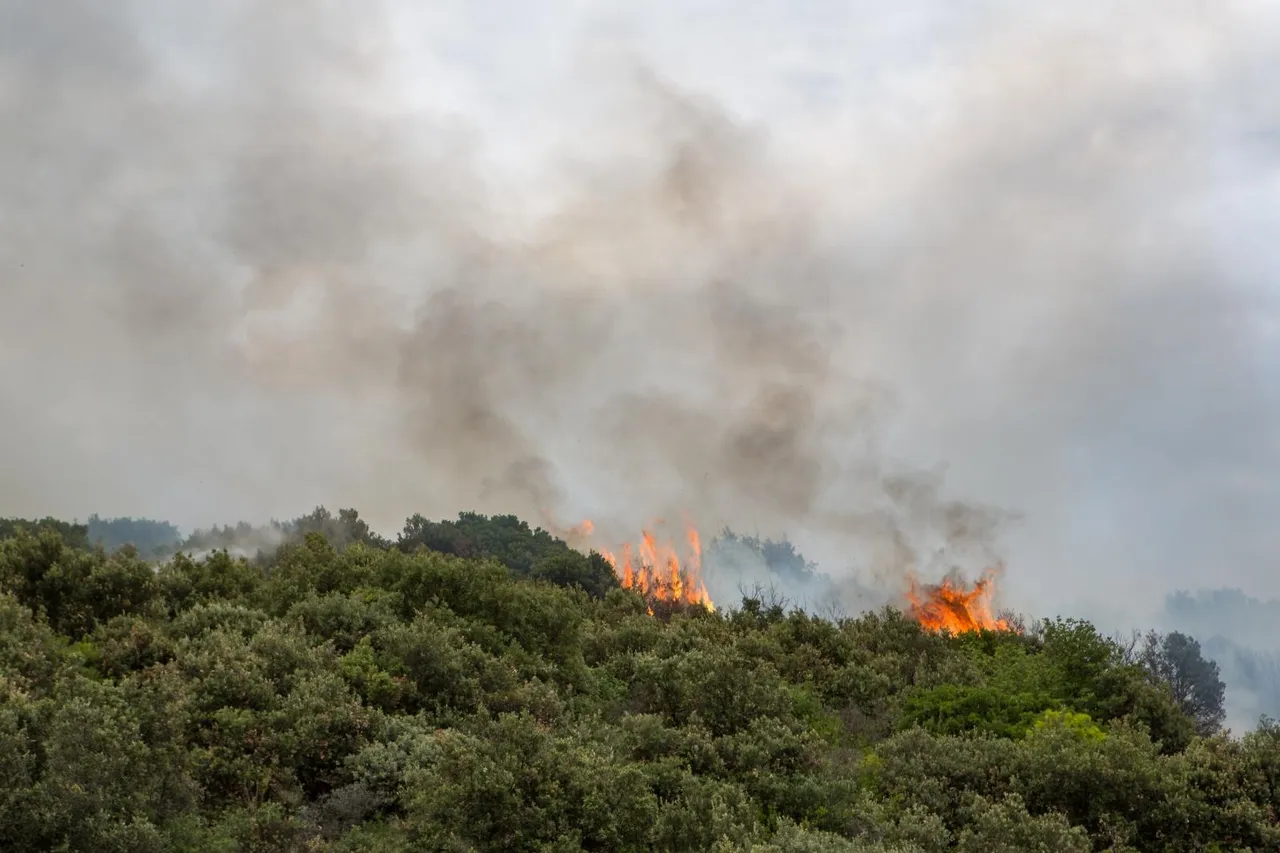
(477, 685)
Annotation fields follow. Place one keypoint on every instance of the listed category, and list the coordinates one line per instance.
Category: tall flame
(654, 568)
(950, 606)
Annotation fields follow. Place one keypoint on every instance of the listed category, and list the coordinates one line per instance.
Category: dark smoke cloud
(257, 257)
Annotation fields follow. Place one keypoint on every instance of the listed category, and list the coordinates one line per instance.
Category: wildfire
(656, 570)
(583, 530)
(950, 606)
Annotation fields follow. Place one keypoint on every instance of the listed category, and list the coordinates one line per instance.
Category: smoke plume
(761, 267)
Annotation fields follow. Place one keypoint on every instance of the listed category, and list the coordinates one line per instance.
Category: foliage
(480, 686)
(1174, 659)
(527, 552)
(149, 537)
(261, 541)
(74, 535)
(953, 708)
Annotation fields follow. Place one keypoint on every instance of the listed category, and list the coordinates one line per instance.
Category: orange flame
(655, 570)
(575, 535)
(951, 607)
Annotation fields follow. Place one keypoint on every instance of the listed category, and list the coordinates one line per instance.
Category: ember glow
(657, 569)
(952, 607)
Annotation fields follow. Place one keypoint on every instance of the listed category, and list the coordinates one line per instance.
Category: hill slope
(506, 696)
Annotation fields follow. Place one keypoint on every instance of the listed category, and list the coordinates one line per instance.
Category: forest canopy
(477, 684)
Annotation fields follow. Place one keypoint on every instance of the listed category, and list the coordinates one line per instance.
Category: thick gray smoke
(756, 266)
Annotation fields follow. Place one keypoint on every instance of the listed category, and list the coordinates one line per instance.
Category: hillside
(478, 685)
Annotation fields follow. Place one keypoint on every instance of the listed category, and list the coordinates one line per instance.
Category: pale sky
(755, 262)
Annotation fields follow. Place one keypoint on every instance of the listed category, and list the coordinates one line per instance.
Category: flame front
(950, 606)
(655, 569)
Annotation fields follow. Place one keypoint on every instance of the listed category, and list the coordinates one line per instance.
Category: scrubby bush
(479, 686)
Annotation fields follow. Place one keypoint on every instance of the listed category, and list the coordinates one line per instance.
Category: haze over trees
(1242, 635)
(144, 534)
(478, 685)
(1175, 660)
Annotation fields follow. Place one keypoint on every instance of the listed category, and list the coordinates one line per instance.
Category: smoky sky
(914, 287)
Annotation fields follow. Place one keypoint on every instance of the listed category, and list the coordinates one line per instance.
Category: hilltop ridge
(479, 685)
